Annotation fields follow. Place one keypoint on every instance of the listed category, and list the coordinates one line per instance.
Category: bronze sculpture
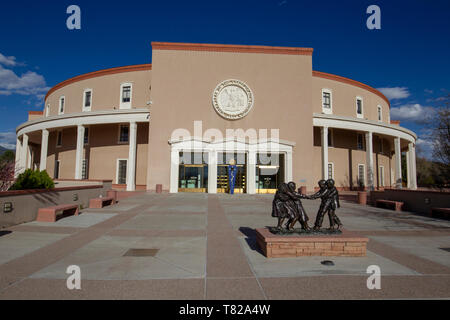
(287, 205)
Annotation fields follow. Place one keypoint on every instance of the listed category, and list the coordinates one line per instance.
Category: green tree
(8, 156)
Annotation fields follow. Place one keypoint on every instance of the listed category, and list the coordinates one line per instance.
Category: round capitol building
(180, 121)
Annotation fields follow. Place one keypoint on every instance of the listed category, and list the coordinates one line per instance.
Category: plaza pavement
(206, 250)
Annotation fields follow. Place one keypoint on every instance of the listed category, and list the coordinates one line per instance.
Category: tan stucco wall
(182, 87)
(344, 99)
(105, 92)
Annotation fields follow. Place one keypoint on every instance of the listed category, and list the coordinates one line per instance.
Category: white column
(44, 150)
(212, 171)
(79, 153)
(131, 172)
(251, 171)
(288, 167)
(324, 137)
(412, 164)
(408, 169)
(24, 153)
(369, 160)
(398, 163)
(174, 170)
(17, 168)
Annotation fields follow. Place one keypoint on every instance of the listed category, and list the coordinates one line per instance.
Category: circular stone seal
(232, 99)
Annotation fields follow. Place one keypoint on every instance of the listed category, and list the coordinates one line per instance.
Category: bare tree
(6, 175)
(441, 133)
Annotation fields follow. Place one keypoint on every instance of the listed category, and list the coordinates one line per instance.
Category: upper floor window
(62, 101)
(380, 114)
(125, 95)
(87, 100)
(59, 139)
(327, 101)
(47, 110)
(359, 107)
(360, 141)
(123, 133)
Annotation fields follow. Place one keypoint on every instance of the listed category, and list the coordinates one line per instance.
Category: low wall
(420, 201)
(25, 203)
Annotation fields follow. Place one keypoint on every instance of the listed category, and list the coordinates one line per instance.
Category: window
(47, 111)
(125, 96)
(360, 141)
(84, 170)
(86, 135)
(380, 115)
(381, 145)
(326, 101)
(359, 107)
(121, 171)
(330, 138)
(330, 170)
(56, 173)
(62, 101)
(381, 176)
(361, 174)
(123, 133)
(87, 100)
(59, 139)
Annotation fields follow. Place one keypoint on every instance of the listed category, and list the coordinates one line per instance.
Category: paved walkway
(205, 249)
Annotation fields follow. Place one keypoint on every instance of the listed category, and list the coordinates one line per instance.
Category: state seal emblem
(232, 99)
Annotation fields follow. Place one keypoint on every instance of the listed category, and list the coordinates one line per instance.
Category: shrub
(33, 180)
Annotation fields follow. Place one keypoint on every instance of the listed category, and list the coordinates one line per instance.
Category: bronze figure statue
(287, 205)
(329, 203)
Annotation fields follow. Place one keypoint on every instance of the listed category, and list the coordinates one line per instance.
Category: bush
(33, 180)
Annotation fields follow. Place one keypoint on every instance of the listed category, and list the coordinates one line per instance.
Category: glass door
(193, 172)
(223, 160)
(269, 172)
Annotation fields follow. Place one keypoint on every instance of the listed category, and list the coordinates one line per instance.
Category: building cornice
(333, 121)
(99, 73)
(334, 77)
(231, 48)
(73, 119)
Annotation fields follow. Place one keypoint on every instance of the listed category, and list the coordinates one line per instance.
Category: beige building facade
(180, 120)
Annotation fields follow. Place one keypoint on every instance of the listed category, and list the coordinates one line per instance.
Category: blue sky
(409, 55)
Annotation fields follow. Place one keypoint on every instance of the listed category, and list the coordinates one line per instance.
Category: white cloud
(8, 61)
(8, 140)
(412, 113)
(395, 92)
(29, 83)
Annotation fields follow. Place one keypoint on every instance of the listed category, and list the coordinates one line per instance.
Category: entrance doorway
(193, 172)
(269, 172)
(223, 160)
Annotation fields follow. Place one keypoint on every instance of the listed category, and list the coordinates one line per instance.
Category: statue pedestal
(345, 244)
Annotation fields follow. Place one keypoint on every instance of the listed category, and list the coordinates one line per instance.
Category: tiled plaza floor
(206, 250)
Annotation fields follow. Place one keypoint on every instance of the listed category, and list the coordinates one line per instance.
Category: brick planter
(340, 245)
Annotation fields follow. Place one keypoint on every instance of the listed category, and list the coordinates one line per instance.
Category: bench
(98, 203)
(396, 205)
(49, 214)
(443, 213)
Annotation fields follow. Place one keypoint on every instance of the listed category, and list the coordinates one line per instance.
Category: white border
(383, 175)
(126, 105)
(59, 105)
(327, 110)
(85, 109)
(360, 116)
(364, 175)
(117, 170)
